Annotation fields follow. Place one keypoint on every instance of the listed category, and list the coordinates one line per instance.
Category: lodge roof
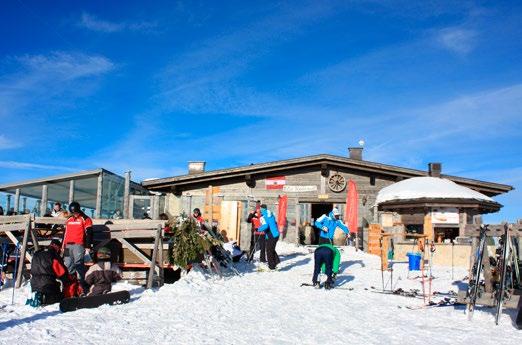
(316, 161)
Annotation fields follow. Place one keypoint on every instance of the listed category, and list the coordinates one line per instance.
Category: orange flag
(352, 207)
(281, 212)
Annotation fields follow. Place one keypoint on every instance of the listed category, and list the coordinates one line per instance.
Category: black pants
(261, 244)
(323, 240)
(273, 258)
(323, 255)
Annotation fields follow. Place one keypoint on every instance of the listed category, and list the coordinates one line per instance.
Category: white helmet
(336, 212)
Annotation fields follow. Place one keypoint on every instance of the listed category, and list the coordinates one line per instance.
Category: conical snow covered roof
(426, 188)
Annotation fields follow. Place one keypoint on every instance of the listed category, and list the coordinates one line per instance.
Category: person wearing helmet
(47, 269)
(77, 241)
(103, 273)
(328, 224)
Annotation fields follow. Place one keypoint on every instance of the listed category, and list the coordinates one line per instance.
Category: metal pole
(71, 191)
(8, 203)
(17, 200)
(126, 194)
(43, 203)
(99, 191)
(24, 204)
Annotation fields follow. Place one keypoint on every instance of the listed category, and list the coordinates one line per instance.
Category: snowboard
(75, 303)
(518, 320)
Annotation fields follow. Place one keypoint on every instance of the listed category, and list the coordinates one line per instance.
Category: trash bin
(414, 260)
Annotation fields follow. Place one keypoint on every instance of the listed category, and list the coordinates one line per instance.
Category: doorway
(318, 209)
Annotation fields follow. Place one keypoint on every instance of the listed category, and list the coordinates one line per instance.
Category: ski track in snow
(265, 308)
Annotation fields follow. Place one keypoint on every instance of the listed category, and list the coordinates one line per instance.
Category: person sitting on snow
(47, 269)
(328, 224)
(235, 252)
(102, 274)
(323, 255)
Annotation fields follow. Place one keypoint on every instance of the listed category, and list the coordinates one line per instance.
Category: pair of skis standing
(507, 269)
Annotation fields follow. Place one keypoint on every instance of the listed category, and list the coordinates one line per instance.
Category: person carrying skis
(77, 241)
(324, 256)
(269, 228)
(47, 269)
(328, 224)
(102, 274)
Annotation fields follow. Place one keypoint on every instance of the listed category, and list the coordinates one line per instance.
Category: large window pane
(112, 196)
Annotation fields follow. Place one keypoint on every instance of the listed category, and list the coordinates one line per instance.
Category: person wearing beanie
(328, 224)
(102, 274)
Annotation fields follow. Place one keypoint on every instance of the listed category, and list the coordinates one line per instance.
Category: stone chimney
(355, 153)
(434, 169)
(196, 167)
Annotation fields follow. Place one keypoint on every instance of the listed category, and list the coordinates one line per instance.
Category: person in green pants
(336, 260)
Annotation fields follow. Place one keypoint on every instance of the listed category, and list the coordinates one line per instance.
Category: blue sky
(148, 86)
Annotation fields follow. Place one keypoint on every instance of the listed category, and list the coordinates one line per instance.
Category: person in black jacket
(102, 274)
(47, 269)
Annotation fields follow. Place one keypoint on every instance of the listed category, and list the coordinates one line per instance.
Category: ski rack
(487, 298)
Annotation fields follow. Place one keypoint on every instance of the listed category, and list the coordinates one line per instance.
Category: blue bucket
(414, 260)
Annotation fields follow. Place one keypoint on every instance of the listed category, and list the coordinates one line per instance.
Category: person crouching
(47, 270)
(102, 274)
(323, 255)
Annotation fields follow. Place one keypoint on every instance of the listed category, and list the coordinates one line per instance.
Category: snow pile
(428, 187)
(265, 308)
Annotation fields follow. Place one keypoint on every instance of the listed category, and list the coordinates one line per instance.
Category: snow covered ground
(264, 308)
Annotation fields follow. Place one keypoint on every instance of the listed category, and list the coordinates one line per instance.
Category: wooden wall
(298, 209)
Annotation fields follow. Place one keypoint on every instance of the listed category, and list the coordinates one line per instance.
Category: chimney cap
(196, 167)
(434, 169)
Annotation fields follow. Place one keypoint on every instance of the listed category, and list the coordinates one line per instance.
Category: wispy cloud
(91, 22)
(457, 39)
(6, 143)
(33, 166)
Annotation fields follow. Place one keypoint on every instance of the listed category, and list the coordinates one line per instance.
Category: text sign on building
(299, 189)
(445, 216)
(276, 182)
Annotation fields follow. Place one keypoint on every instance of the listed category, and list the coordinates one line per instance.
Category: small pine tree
(187, 246)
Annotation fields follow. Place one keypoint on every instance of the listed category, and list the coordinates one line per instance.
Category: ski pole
(15, 271)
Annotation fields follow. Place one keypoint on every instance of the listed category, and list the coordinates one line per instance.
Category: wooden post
(99, 191)
(155, 207)
(21, 259)
(71, 191)
(160, 259)
(428, 226)
(35, 240)
(154, 258)
(297, 211)
(126, 194)
(43, 203)
(17, 200)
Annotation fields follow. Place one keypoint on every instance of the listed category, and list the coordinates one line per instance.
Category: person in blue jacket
(269, 228)
(328, 224)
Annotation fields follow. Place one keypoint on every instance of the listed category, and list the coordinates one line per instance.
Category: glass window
(112, 196)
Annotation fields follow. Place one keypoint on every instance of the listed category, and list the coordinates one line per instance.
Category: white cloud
(457, 39)
(93, 23)
(32, 166)
(6, 143)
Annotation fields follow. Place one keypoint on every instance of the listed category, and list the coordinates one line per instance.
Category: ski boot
(316, 285)
(328, 286)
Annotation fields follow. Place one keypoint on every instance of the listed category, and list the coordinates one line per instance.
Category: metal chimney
(434, 169)
(355, 153)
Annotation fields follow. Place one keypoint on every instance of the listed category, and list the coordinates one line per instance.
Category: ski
(503, 273)
(446, 302)
(474, 282)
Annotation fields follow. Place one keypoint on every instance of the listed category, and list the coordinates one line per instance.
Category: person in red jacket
(77, 242)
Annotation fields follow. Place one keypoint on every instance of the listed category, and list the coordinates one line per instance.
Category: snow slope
(264, 308)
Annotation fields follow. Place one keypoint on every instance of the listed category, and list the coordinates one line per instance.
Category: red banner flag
(352, 207)
(281, 212)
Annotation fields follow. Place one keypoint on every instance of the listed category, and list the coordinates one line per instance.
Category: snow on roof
(428, 187)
